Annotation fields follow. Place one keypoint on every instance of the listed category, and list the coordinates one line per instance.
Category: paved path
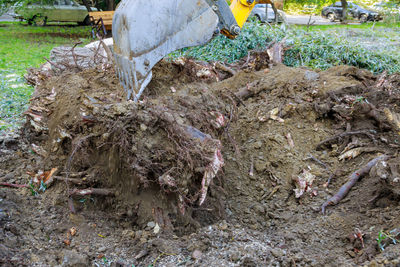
(6, 17)
(304, 19)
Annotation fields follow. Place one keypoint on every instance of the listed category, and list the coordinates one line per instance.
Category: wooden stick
(91, 191)
(354, 177)
(15, 185)
(222, 67)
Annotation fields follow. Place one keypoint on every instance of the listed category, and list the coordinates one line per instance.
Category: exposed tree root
(344, 190)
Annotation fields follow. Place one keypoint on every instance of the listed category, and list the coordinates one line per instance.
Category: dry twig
(310, 156)
(333, 174)
(74, 55)
(15, 185)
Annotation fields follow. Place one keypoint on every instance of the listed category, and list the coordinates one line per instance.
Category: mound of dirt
(221, 165)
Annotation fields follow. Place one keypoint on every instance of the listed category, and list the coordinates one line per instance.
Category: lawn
(21, 47)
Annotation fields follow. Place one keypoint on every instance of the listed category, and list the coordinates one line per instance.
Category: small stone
(143, 127)
(277, 253)
(128, 233)
(74, 259)
(9, 176)
(156, 229)
(373, 263)
(138, 234)
(197, 254)
(235, 257)
(258, 144)
(259, 209)
(223, 226)
(102, 249)
(260, 165)
(151, 224)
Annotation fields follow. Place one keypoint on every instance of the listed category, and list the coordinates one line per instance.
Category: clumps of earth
(218, 164)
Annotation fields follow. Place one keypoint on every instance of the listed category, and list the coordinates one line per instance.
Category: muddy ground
(266, 138)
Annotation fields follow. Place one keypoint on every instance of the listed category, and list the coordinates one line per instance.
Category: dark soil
(270, 125)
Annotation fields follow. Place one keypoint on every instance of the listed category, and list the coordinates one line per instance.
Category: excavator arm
(231, 18)
(145, 31)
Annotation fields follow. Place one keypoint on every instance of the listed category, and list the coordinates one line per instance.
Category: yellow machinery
(144, 31)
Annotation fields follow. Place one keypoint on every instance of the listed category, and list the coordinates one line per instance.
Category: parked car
(335, 12)
(41, 12)
(265, 13)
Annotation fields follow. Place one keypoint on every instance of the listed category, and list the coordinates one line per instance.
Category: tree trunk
(343, 18)
(86, 3)
(110, 5)
(275, 11)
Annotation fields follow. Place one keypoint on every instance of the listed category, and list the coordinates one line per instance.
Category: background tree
(344, 11)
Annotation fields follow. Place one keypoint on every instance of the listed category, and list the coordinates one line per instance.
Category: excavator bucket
(144, 31)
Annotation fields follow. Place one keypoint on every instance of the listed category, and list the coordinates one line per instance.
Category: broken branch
(354, 177)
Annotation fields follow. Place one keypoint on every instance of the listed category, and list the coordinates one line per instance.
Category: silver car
(265, 13)
(39, 13)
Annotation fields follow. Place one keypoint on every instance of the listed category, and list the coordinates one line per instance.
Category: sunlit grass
(22, 47)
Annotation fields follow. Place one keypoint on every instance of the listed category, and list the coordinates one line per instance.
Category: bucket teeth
(128, 77)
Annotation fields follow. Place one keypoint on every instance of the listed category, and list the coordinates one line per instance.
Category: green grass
(21, 47)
